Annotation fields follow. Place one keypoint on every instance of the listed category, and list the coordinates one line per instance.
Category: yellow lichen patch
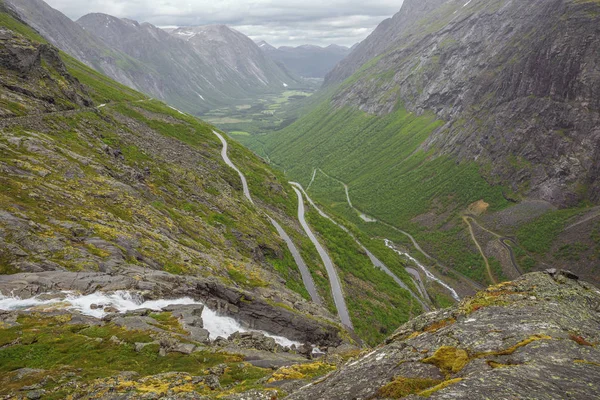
(478, 208)
(125, 385)
(494, 364)
(449, 359)
(185, 388)
(587, 362)
(63, 318)
(497, 295)
(436, 326)
(158, 385)
(154, 387)
(511, 350)
(443, 385)
(414, 335)
(301, 371)
(402, 386)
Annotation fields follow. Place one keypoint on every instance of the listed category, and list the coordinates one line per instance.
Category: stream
(428, 274)
(125, 301)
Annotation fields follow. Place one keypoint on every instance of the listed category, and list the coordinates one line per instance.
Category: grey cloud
(291, 22)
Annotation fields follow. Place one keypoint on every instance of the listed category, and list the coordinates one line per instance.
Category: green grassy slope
(129, 181)
(389, 177)
(145, 183)
(513, 134)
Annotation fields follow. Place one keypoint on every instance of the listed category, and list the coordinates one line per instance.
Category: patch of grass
(538, 235)
(168, 322)
(288, 270)
(51, 344)
(570, 252)
(389, 177)
(401, 387)
(246, 278)
(377, 305)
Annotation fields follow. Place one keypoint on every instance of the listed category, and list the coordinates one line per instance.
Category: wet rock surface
(534, 338)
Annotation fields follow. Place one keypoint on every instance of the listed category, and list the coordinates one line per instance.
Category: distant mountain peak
(265, 46)
(307, 60)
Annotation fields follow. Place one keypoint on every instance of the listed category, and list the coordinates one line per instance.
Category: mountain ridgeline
(473, 125)
(195, 69)
(307, 61)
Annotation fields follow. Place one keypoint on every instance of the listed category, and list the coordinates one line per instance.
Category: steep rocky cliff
(63, 33)
(512, 80)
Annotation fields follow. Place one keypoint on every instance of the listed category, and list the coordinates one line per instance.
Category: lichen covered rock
(533, 338)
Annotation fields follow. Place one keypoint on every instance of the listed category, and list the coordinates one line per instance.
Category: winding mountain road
(374, 260)
(502, 239)
(414, 273)
(334, 280)
(485, 259)
(307, 279)
(225, 157)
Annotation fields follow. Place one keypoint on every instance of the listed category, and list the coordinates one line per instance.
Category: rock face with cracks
(534, 338)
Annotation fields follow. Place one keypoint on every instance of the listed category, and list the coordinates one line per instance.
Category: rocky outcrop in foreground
(50, 349)
(534, 338)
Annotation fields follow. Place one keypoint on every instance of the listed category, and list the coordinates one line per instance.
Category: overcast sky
(279, 22)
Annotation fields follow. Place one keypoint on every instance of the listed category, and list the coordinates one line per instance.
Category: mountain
(201, 67)
(226, 47)
(59, 30)
(472, 126)
(266, 47)
(97, 177)
(146, 58)
(130, 242)
(307, 61)
(143, 254)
